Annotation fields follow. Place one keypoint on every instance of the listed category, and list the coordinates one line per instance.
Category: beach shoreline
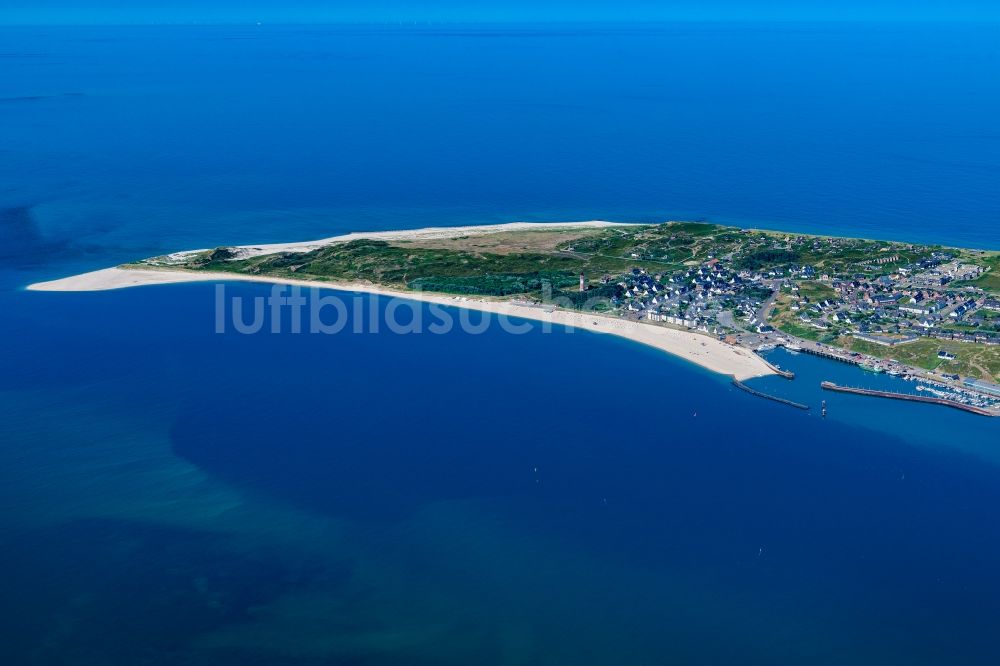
(422, 234)
(705, 351)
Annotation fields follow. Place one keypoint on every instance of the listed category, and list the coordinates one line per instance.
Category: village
(878, 304)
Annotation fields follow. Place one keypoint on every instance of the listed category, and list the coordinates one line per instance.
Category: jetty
(787, 374)
(830, 355)
(830, 386)
(760, 394)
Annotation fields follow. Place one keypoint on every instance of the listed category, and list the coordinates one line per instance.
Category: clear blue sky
(184, 11)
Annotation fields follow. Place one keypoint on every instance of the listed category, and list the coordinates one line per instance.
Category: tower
(583, 286)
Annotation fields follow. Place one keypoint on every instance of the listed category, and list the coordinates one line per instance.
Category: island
(713, 294)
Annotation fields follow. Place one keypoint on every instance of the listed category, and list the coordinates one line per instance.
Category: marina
(830, 386)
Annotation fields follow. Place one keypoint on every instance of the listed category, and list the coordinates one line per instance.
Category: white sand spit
(704, 350)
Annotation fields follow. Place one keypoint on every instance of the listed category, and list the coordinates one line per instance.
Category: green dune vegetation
(841, 291)
(990, 279)
(510, 263)
(971, 359)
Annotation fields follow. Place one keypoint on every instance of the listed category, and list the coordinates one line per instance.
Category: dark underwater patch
(23, 244)
(134, 593)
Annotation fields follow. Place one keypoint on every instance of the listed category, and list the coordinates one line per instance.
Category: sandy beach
(424, 234)
(703, 350)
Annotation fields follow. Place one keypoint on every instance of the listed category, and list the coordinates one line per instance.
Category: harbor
(812, 370)
(830, 386)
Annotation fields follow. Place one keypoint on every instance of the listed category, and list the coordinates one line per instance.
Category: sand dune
(704, 350)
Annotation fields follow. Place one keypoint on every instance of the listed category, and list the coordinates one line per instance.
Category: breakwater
(761, 394)
(787, 374)
(830, 386)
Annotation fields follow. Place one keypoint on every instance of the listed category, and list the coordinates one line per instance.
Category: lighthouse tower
(583, 285)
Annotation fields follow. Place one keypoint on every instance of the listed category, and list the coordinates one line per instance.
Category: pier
(830, 355)
(830, 386)
(787, 374)
(761, 394)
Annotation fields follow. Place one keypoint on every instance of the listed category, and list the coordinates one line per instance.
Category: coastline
(702, 350)
(425, 233)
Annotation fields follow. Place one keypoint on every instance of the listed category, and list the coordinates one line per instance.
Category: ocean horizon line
(638, 24)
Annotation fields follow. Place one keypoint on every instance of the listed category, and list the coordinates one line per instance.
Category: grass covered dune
(726, 282)
(705, 351)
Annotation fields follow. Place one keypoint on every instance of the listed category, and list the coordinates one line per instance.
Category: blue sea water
(172, 495)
